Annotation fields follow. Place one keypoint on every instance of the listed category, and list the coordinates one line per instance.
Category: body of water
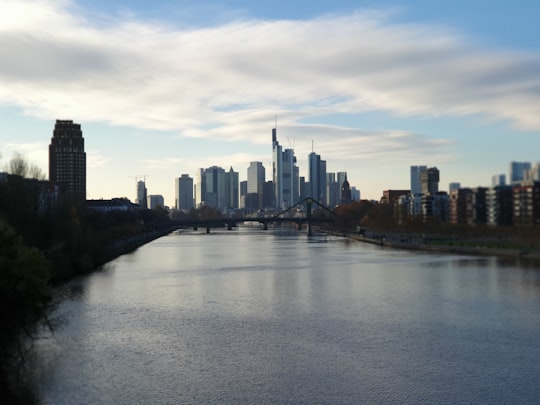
(275, 317)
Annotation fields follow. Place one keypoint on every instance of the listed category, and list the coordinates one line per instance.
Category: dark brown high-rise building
(67, 160)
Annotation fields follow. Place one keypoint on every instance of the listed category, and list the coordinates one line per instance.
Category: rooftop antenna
(312, 147)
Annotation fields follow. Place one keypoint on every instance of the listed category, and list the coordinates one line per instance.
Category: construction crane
(141, 176)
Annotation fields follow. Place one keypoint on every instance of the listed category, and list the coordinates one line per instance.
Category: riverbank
(439, 245)
(132, 243)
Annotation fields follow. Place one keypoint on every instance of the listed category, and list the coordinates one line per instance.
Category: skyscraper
(200, 188)
(341, 176)
(416, 186)
(285, 174)
(184, 193)
(317, 177)
(255, 181)
(333, 190)
(518, 170)
(217, 188)
(255, 177)
(67, 160)
(429, 180)
(232, 190)
(346, 195)
(142, 194)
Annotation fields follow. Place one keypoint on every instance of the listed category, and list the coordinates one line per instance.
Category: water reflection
(258, 317)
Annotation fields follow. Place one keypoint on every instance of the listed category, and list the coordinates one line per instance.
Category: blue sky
(162, 88)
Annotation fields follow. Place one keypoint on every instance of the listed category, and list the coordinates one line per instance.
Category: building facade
(429, 181)
(518, 171)
(217, 188)
(416, 185)
(142, 194)
(183, 191)
(232, 189)
(526, 204)
(285, 175)
(67, 160)
(499, 205)
(317, 177)
(345, 191)
(155, 201)
(256, 176)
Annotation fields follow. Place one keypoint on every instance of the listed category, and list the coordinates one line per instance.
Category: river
(274, 317)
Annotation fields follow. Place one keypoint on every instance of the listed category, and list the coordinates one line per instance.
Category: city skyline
(376, 88)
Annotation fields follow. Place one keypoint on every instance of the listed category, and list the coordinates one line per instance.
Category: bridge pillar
(229, 226)
(207, 229)
(309, 232)
(265, 226)
(195, 228)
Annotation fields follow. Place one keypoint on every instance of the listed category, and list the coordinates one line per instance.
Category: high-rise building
(534, 172)
(141, 194)
(214, 192)
(232, 189)
(268, 195)
(518, 171)
(346, 195)
(200, 188)
(184, 193)
(454, 186)
(155, 201)
(333, 190)
(256, 176)
(317, 177)
(285, 174)
(355, 194)
(416, 186)
(217, 188)
(498, 180)
(243, 187)
(67, 160)
(255, 182)
(340, 178)
(429, 181)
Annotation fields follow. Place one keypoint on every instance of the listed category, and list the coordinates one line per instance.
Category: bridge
(287, 215)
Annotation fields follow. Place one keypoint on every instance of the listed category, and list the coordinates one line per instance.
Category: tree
(25, 298)
(19, 166)
(350, 215)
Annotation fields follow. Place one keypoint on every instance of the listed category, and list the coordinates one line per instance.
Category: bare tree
(35, 172)
(18, 165)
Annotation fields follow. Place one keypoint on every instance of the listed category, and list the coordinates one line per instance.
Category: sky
(162, 88)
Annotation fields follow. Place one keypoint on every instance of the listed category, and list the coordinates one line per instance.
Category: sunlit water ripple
(252, 316)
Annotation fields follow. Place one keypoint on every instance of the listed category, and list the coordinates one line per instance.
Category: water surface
(252, 316)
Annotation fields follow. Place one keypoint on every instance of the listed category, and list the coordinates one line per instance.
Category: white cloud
(95, 159)
(229, 81)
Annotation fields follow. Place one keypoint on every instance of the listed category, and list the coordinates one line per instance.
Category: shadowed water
(252, 316)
